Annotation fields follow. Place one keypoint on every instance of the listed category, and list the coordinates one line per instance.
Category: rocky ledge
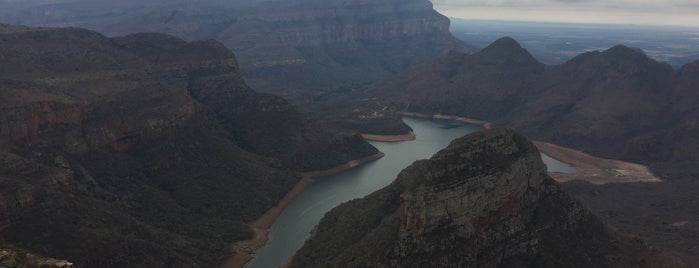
(12, 259)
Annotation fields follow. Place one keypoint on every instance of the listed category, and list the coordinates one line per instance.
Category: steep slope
(487, 83)
(303, 48)
(674, 145)
(485, 200)
(599, 100)
(143, 150)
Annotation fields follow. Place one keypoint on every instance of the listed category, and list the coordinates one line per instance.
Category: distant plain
(555, 43)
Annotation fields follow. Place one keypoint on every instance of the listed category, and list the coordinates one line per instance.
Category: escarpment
(143, 150)
(299, 48)
(485, 200)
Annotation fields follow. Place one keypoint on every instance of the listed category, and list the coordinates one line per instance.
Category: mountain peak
(484, 153)
(620, 59)
(625, 51)
(507, 48)
(506, 41)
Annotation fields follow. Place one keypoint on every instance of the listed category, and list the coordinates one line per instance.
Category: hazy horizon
(643, 12)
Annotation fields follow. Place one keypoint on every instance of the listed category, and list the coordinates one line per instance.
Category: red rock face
(23, 124)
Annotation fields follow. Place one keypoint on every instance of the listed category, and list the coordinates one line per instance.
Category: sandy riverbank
(593, 169)
(245, 250)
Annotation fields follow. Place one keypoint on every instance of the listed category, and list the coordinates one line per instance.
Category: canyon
(299, 49)
(143, 150)
(148, 149)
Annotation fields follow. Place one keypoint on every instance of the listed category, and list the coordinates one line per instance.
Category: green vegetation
(143, 151)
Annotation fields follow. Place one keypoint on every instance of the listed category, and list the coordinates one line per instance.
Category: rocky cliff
(143, 150)
(484, 201)
(338, 43)
(302, 48)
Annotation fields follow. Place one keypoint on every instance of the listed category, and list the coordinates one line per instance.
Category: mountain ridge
(296, 48)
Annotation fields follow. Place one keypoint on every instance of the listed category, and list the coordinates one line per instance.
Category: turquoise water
(554, 165)
(293, 227)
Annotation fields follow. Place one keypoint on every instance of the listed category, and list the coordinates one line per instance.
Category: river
(293, 226)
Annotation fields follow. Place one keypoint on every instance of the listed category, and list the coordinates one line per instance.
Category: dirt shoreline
(593, 169)
(243, 251)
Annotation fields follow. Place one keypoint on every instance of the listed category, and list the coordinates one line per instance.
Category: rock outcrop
(484, 201)
(11, 259)
(143, 150)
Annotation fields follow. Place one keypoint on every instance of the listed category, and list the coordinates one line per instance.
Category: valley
(311, 133)
(144, 139)
(296, 222)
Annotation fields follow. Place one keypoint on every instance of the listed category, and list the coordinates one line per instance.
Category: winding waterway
(295, 223)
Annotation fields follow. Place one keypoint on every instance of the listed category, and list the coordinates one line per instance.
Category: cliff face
(315, 23)
(486, 200)
(477, 195)
(143, 150)
(337, 43)
(283, 46)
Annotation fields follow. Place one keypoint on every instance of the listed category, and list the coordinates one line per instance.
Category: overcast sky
(667, 12)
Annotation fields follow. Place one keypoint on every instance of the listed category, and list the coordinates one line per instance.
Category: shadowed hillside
(143, 150)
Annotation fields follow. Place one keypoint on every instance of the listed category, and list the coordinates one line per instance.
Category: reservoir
(294, 225)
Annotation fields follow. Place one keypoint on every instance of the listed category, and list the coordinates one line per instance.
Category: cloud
(606, 5)
(617, 11)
